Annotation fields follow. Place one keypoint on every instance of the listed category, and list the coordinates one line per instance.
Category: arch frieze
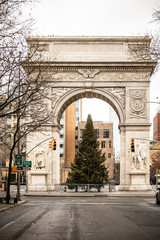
(99, 74)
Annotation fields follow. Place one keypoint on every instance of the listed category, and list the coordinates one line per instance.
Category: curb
(11, 206)
(112, 194)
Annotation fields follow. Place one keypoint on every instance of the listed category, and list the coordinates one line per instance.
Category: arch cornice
(126, 66)
(114, 96)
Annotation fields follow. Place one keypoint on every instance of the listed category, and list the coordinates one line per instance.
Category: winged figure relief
(88, 72)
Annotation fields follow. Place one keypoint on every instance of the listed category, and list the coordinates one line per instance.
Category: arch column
(45, 172)
(134, 166)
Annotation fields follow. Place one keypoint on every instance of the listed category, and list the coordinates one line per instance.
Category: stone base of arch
(45, 171)
(134, 166)
(138, 181)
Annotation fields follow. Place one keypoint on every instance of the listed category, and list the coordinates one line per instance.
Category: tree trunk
(9, 178)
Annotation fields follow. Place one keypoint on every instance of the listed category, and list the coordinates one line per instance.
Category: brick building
(156, 126)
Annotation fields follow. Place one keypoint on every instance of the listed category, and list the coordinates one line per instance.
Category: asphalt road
(87, 218)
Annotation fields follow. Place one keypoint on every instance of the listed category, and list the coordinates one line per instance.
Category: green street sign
(18, 159)
(27, 164)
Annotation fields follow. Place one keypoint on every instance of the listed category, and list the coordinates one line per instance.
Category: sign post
(27, 164)
(18, 162)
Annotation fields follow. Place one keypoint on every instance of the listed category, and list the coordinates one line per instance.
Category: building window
(110, 144)
(61, 155)
(109, 155)
(105, 133)
(76, 142)
(102, 144)
(61, 145)
(155, 125)
(96, 132)
(81, 132)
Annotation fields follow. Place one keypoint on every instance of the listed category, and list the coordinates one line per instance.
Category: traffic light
(54, 144)
(51, 144)
(132, 145)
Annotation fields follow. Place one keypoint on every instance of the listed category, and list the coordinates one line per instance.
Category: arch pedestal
(45, 173)
(100, 67)
(135, 166)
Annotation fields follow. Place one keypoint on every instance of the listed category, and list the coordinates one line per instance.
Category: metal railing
(81, 187)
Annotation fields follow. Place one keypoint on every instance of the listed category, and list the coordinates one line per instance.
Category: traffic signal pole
(38, 145)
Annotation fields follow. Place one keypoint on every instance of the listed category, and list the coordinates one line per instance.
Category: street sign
(18, 159)
(27, 164)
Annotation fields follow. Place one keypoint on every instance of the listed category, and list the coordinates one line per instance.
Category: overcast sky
(97, 18)
(93, 17)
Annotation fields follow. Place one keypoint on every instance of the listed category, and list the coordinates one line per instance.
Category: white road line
(24, 215)
(8, 224)
(90, 203)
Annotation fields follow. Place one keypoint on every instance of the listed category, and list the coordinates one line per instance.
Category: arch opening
(72, 124)
(75, 95)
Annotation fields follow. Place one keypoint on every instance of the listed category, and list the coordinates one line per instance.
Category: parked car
(158, 196)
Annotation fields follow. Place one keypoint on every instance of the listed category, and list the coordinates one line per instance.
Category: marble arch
(100, 67)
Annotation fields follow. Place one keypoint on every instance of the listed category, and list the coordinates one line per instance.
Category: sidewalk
(13, 190)
(72, 194)
(4, 206)
(91, 194)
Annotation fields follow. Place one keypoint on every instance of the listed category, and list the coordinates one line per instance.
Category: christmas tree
(88, 166)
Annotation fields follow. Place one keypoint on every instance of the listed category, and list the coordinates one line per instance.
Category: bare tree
(13, 31)
(149, 49)
(30, 117)
(22, 94)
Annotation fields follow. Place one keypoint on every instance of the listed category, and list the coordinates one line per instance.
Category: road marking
(24, 215)
(7, 225)
(89, 203)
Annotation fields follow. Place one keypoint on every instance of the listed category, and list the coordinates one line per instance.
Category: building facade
(155, 147)
(104, 132)
(69, 138)
(156, 126)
